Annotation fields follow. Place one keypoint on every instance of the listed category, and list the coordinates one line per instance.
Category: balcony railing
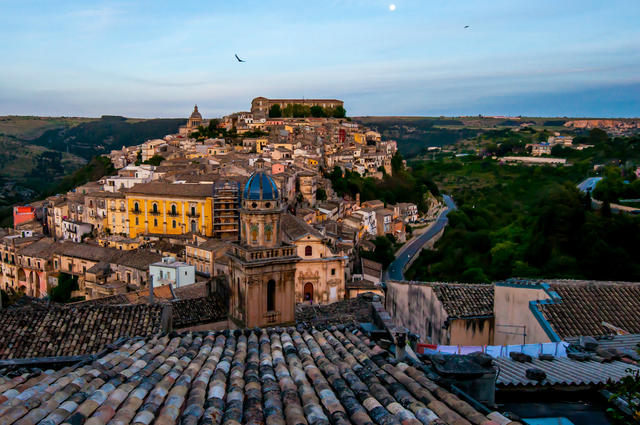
(193, 215)
(155, 212)
(137, 212)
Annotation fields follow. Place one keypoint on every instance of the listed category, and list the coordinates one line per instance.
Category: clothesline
(558, 349)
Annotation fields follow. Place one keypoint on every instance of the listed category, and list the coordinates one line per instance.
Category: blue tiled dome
(260, 187)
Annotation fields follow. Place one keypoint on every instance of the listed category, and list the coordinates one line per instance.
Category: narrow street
(413, 247)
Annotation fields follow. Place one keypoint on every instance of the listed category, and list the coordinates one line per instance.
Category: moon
(392, 7)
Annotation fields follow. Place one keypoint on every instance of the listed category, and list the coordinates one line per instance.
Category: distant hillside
(91, 138)
(414, 134)
(40, 154)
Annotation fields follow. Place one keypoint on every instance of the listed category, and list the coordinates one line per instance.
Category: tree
(321, 194)
(275, 111)
(154, 160)
(598, 136)
(397, 163)
(383, 253)
(339, 112)
(66, 285)
(317, 111)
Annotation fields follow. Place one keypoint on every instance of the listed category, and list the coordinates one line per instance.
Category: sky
(576, 58)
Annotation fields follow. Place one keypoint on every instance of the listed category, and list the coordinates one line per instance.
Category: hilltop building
(260, 105)
(194, 121)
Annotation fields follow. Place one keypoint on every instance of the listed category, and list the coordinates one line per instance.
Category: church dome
(260, 187)
(195, 114)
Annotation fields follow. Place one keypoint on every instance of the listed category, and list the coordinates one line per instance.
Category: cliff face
(605, 124)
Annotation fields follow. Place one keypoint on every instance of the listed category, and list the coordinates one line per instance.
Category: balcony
(173, 214)
(137, 212)
(193, 215)
(156, 213)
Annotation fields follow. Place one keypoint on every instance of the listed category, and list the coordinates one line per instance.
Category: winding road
(413, 247)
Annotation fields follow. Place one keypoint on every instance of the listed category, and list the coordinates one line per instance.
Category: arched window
(271, 295)
(136, 207)
(193, 210)
(155, 207)
(308, 251)
(174, 210)
(155, 222)
(194, 226)
(173, 224)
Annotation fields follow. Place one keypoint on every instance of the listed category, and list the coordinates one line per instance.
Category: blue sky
(156, 58)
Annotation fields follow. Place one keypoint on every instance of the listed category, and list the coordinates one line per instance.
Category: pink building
(23, 215)
(277, 168)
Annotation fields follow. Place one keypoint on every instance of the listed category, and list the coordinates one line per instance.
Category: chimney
(151, 300)
(401, 343)
(210, 288)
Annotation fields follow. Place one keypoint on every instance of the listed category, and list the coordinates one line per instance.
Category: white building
(367, 217)
(73, 230)
(169, 271)
(407, 211)
(128, 177)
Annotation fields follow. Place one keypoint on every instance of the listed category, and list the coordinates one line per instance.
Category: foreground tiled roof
(465, 300)
(56, 331)
(265, 377)
(585, 305)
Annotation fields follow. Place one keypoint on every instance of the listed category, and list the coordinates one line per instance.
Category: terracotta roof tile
(584, 305)
(465, 300)
(59, 331)
(275, 377)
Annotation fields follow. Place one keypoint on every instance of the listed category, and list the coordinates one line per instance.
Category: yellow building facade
(170, 209)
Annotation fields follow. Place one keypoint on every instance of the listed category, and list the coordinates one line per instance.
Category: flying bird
(239, 60)
(466, 26)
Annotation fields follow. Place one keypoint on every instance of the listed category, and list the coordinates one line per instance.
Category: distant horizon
(576, 58)
(205, 117)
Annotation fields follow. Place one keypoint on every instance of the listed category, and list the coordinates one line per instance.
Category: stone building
(308, 187)
(260, 105)
(194, 121)
(262, 266)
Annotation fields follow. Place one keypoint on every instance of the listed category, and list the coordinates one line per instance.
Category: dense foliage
(404, 185)
(297, 110)
(384, 252)
(526, 222)
(66, 285)
(97, 168)
(613, 187)
(213, 131)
